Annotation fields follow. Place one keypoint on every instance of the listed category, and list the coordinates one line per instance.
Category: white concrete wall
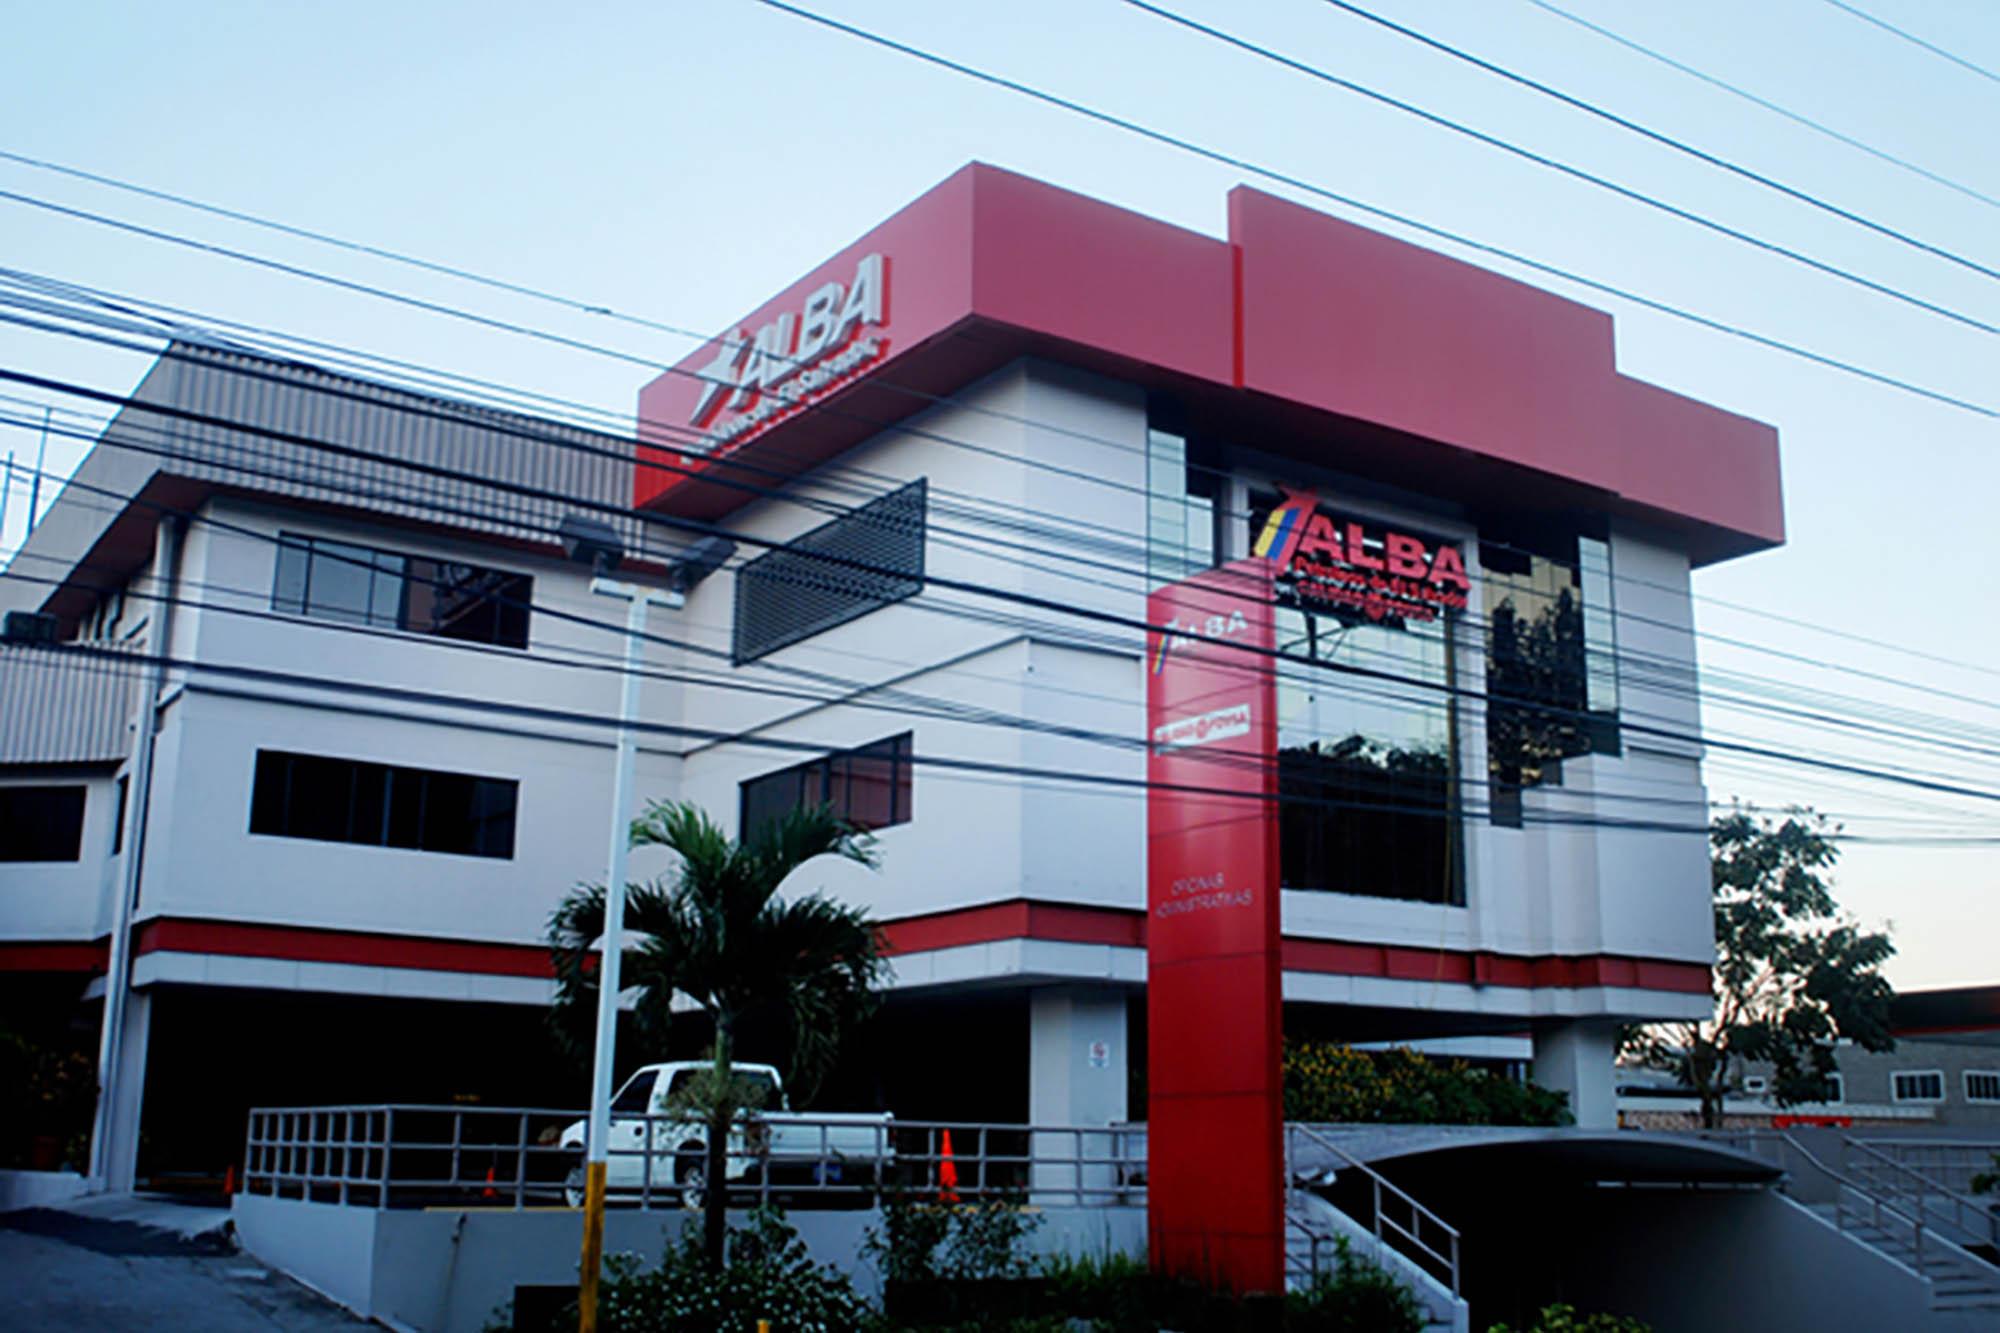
(63, 901)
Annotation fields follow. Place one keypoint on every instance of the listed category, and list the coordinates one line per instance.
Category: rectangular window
(1756, 1085)
(1837, 1085)
(41, 823)
(382, 805)
(838, 572)
(358, 585)
(1551, 663)
(869, 787)
(118, 817)
(1917, 1085)
(1368, 761)
(1181, 493)
(1982, 1085)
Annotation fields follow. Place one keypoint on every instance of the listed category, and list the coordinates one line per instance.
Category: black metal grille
(838, 571)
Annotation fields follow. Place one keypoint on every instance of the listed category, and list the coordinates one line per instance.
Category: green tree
(716, 931)
(1793, 975)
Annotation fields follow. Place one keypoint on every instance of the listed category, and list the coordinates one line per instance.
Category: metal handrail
(1924, 1238)
(1447, 1259)
(414, 1154)
(1983, 1220)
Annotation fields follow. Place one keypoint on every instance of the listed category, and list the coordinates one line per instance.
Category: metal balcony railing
(413, 1156)
(1394, 1216)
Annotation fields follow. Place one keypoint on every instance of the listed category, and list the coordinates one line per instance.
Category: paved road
(65, 1271)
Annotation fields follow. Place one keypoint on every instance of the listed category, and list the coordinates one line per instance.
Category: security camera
(700, 560)
(590, 541)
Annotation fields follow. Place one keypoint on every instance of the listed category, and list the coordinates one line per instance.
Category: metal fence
(416, 1156)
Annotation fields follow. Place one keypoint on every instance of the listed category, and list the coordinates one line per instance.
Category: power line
(1915, 40)
(1676, 667)
(1797, 118)
(1665, 140)
(823, 407)
(1631, 193)
(1349, 201)
(1033, 601)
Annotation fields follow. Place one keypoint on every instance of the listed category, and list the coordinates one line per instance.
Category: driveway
(84, 1271)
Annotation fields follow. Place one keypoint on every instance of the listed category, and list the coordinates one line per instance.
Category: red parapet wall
(1468, 369)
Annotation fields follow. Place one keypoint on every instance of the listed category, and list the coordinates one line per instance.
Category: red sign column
(1215, 1154)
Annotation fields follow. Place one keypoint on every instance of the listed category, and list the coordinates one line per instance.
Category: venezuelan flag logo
(1285, 526)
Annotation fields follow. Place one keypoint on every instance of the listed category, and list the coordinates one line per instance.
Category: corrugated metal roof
(376, 427)
(58, 706)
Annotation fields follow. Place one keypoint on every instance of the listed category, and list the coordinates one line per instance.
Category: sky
(683, 161)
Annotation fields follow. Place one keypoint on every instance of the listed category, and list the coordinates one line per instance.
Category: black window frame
(40, 818)
(392, 806)
(404, 589)
(829, 780)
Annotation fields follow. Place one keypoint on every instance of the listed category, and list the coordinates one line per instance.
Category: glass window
(1180, 507)
(359, 586)
(382, 805)
(1917, 1085)
(41, 823)
(636, 1097)
(1368, 783)
(1551, 663)
(868, 787)
(1982, 1085)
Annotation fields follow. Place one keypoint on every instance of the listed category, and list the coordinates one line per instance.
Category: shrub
(1561, 1318)
(1326, 1081)
(767, 1275)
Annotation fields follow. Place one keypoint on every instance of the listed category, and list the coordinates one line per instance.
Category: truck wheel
(691, 1177)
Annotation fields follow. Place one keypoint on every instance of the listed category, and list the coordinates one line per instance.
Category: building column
(1076, 1076)
(1577, 1056)
(117, 1158)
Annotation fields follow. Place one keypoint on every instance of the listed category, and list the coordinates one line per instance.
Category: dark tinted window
(868, 787)
(360, 586)
(838, 571)
(635, 1097)
(41, 823)
(382, 805)
(1551, 672)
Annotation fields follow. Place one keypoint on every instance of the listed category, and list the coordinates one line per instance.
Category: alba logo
(1213, 627)
(795, 355)
(1296, 530)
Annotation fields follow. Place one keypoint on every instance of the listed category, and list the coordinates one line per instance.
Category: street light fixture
(595, 543)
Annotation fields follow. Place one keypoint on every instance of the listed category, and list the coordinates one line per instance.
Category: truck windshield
(634, 1096)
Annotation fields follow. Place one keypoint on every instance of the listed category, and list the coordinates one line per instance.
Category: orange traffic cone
(489, 1192)
(947, 1172)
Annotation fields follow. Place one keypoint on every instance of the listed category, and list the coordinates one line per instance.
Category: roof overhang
(1300, 334)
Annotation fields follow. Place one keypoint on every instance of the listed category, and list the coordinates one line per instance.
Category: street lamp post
(640, 600)
(593, 542)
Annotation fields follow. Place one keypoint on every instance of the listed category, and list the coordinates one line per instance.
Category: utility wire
(1602, 182)
(823, 407)
(1401, 219)
(1797, 118)
(1675, 667)
(1915, 40)
(1029, 600)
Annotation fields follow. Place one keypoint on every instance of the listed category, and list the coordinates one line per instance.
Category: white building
(954, 460)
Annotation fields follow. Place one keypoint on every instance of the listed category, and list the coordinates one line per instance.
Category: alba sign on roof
(751, 382)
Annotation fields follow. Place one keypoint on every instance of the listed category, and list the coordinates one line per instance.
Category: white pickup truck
(852, 1150)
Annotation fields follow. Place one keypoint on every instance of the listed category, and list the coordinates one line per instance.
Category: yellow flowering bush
(1327, 1082)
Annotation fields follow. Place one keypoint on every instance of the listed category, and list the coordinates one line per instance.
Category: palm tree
(716, 931)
